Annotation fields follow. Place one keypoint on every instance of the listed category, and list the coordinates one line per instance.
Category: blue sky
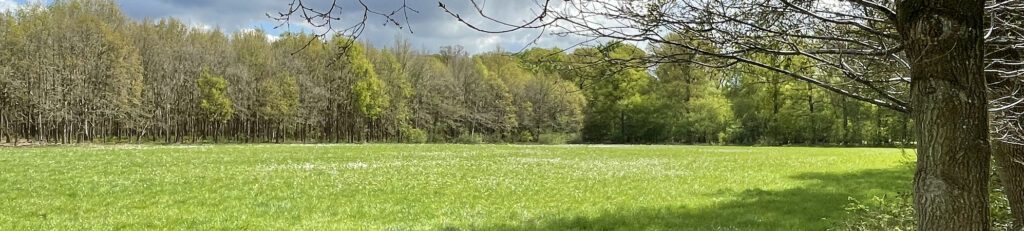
(432, 28)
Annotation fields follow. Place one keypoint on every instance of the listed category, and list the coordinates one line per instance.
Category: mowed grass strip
(439, 187)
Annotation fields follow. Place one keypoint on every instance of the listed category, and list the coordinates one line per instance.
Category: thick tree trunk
(943, 39)
(1010, 164)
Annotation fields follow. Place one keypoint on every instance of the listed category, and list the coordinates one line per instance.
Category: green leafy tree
(214, 97)
(614, 94)
(370, 93)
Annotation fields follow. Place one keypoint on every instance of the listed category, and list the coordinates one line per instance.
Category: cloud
(272, 38)
(6, 5)
(431, 27)
(269, 37)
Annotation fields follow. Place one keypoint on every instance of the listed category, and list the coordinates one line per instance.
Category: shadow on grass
(803, 208)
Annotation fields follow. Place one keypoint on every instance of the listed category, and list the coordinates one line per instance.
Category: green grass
(439, 187)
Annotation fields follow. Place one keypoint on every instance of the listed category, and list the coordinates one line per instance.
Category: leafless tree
(1005, 71)
(329, 17)
(1005, 44)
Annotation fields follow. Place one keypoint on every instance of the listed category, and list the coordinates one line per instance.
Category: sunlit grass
(439, 187)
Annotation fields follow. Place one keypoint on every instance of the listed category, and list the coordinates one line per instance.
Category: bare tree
(1005, 71)
(329, 17)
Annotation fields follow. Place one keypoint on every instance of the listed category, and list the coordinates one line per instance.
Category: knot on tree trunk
(935, 27)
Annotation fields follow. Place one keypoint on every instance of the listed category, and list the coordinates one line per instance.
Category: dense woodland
(81, 71)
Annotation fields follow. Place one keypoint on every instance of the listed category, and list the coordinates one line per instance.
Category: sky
(431, 27)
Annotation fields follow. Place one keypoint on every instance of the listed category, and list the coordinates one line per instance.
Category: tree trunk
(1010, 163)
(846, 123)
(943, 39)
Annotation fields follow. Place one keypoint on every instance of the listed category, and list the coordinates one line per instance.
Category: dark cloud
(431, 28)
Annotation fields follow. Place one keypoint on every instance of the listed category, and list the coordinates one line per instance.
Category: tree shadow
(802, 208)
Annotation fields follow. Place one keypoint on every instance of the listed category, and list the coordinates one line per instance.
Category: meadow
(440, 187)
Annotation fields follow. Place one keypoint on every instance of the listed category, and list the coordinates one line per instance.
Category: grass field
(439, 187)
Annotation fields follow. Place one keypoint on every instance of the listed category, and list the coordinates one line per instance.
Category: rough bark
(948, 90)
(1010, 164)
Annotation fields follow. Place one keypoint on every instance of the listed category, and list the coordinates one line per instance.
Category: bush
(413, 135)
(879, 213)
(470, 138)
(1000, 206)
(555, 138)
(897, 213)
(525, 136)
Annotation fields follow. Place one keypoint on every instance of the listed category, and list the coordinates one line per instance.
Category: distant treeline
(81, 71)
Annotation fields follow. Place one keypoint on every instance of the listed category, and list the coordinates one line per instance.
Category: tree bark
(948, 89)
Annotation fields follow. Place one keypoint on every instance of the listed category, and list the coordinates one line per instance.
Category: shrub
(525, 136)
(879, 213)
(470, 138)
(413, 135)
(897, 213)
(1000, 206)
(555, 138)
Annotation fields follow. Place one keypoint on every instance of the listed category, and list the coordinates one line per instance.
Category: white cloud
(6, 5)
(272, 38)
(201, 26)
(269, 37)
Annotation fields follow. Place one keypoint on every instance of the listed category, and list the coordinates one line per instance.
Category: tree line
(81, 71)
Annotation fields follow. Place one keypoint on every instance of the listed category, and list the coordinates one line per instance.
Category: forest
(82, 71)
